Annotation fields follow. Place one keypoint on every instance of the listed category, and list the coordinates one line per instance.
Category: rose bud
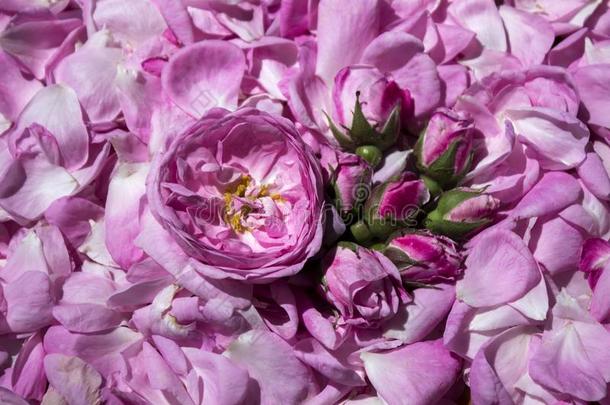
(240, 194)
(444, 150)
(369, 108)
(395, 204)
(363, 285)
(424, 257)
(352, 182)
(461, 211)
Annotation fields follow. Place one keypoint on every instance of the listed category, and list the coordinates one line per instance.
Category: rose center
(248, 205)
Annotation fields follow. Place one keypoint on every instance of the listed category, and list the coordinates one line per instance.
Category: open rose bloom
(305, 202)
(241, 193)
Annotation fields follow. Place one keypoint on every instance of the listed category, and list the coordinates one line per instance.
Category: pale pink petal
(33, 50)
(118, 17)
(101, 350)
(391, 50)
(499, 269)
(124, 206)
(529, 35)
(415, 320)
(86, 318)
(16, 91)
(91, 72)
(224, 383)
(557, 254)
(417, 374)
(558, 138)
(29, 301)
(561, 363)
(313, 353)
(421, 77)
(554, 192)
(204, 75)
(593, 84)
(600, 301)
(499, 365)
(27, 373)
(594, 175)
(76, 381)
(481, 17)
(57, 109)
(340, 45)
(272, 363)
(178, 19)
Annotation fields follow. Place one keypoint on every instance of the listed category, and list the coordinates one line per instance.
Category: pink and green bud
(424, 257)
(462, 211)
(352, 182)
(444, 149)
(369, 108)
(395, 204)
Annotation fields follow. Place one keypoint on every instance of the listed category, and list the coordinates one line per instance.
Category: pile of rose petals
(304, 202)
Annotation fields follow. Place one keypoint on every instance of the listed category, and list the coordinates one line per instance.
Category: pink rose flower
(241, 194)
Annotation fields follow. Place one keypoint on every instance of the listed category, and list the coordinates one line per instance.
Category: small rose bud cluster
(413, 209)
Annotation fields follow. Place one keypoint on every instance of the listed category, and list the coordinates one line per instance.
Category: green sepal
(361, 131)
(343, 140)
(349, 245)
(442, 170)
(398, 257)
(390, 131)
(433, 187)
(453, 230)
(436, 222)
(452, 198)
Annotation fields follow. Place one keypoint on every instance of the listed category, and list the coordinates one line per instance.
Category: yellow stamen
(235, 219)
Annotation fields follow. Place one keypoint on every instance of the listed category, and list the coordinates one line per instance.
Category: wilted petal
(74, 379)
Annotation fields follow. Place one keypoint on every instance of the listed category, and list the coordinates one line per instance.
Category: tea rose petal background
(400, 202)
